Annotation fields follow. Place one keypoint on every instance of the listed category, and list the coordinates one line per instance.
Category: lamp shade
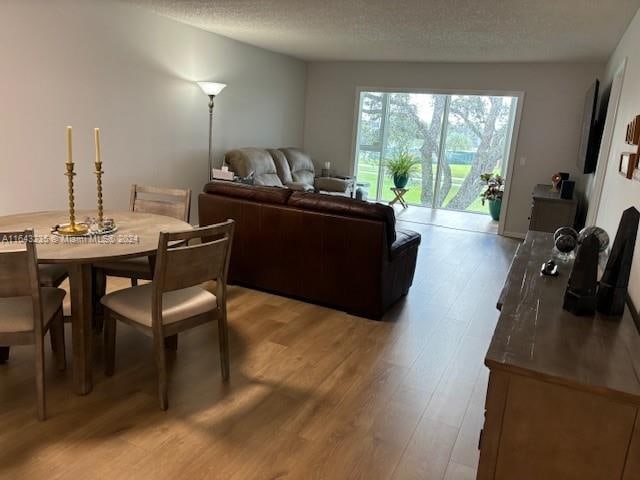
(211, 88)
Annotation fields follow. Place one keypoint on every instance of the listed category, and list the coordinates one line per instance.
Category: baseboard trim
(518, 235)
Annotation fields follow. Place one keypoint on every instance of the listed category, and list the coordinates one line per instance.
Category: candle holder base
(72, 230)
(86, 229)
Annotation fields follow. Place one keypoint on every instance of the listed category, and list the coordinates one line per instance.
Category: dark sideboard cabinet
(550, 212)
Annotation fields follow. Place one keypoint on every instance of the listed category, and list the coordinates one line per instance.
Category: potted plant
(493, 193)
(400, 168)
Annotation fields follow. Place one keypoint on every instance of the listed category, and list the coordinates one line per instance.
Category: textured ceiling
(415, 30)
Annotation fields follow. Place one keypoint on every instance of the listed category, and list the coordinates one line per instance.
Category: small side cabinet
(550, 212)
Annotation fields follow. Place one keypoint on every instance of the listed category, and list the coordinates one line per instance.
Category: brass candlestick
(73, 228)
(99, 173)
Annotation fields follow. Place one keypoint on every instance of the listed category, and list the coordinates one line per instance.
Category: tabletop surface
(137, 235)
(536, 337)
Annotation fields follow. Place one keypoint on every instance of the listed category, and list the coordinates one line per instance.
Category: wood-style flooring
(314, 393)
(469, 221)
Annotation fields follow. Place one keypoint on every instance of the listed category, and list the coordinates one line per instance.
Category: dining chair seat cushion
(136, 265)
(16, 313)
(52, 275)
(135, 303)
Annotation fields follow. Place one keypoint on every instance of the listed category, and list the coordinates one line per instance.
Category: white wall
(130, 72)
(619, 193)
(549, 131)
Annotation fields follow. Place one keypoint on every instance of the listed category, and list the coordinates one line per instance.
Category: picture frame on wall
(628, 165)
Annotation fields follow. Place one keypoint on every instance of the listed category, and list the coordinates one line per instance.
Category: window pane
(371, 111)
(368, 165)
(478, 131)
(414, 126)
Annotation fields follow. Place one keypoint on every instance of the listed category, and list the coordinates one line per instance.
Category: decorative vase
(494, 208)
(400, 180)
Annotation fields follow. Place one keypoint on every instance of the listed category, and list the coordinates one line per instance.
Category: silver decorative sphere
(566, 243)
(600, 234)
(565, 231)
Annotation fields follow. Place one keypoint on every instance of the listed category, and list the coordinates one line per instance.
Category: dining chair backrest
(19, 271)
(192, 257)
(18, 264)
(171, 202)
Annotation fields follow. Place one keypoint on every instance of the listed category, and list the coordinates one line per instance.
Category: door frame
(513, 139)
(617, 83)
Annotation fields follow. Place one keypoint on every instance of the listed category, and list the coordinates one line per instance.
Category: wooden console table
(564, 391)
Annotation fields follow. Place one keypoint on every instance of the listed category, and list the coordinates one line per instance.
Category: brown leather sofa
(335, 251)
(284, 167)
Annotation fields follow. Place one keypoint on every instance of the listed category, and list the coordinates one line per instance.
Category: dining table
(137, 235)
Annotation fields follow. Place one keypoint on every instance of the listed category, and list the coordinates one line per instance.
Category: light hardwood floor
(314, 392)
(469, 221)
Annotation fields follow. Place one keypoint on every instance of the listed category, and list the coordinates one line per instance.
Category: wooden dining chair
(175, 301)
(28, 311)
(51, 275)
(170, 202)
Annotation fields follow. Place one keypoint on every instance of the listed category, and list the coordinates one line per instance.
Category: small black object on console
(580, 295)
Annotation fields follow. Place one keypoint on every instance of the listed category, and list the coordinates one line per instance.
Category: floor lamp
(211, 89)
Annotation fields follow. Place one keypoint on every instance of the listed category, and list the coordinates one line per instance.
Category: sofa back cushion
(282, 166)
(253, 193)
(301, 165)
(347, 207)
(243, 161)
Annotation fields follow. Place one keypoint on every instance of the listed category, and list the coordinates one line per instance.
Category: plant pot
(494, 208)
(400, 181)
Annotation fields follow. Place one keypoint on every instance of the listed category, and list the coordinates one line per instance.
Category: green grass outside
(368, 173)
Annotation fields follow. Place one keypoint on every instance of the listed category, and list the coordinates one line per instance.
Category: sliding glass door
(454, 138)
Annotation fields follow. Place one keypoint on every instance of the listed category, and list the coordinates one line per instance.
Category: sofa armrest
(333, 184)
(399, 268)
(405, 239)
(299, 186)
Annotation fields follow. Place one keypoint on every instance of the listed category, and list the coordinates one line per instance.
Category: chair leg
(109, 343)
(56, 332)
(171, 343)
(40, 387)
(134, 282)
(223, 337)
(161, 366)
(4, 354)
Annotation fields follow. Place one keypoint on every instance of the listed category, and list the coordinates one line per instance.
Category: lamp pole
(211, 89)
(211, 136)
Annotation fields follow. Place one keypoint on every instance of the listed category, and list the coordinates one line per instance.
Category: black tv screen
(591, 132)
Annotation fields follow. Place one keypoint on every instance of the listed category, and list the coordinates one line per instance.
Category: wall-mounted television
(591, 131)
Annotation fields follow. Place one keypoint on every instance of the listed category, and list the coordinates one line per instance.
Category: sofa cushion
(346, 206)
(301, 165)
(248, 192)
(282, 166)
(244, 161)
(404, 239)
(135, 304)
